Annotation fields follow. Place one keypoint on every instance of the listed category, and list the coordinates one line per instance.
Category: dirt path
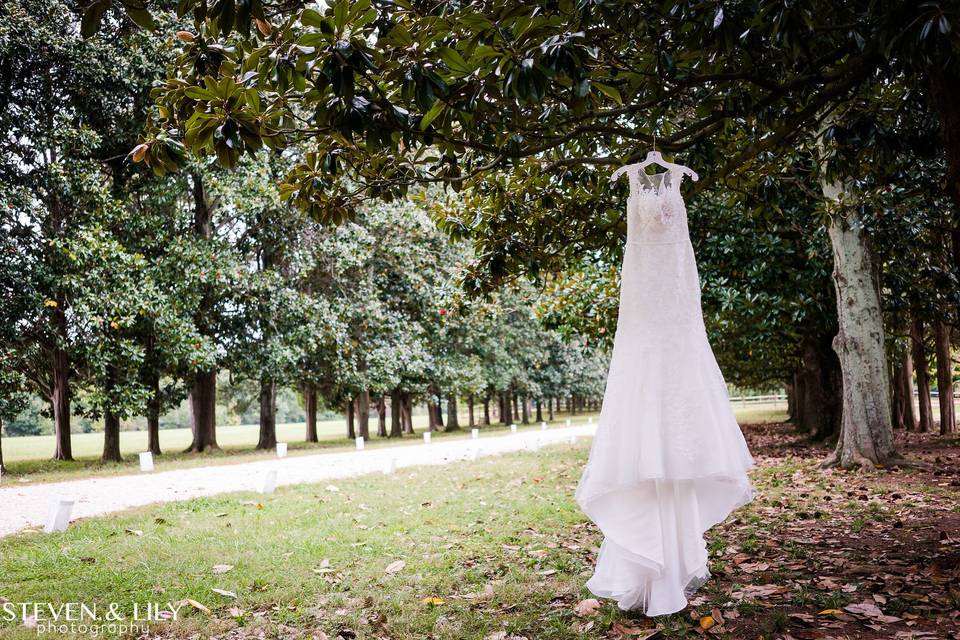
(28, 506)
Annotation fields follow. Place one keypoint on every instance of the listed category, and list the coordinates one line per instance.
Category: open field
(87, 445)
(28, 458)
(496, 549)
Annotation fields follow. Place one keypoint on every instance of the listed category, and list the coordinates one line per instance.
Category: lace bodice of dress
(656, 211)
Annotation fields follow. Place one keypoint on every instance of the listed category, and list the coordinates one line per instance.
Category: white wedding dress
(668, 460)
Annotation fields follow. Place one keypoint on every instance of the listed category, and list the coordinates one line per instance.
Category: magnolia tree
(522, 104)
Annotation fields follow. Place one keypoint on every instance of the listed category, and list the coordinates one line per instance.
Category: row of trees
(840, 113)
(125, 292)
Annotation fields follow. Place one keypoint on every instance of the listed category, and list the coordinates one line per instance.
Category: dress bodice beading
(656, 211)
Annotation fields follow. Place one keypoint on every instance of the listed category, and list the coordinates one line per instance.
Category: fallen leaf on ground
(433, 600)
(196, 605)
(221, 568)
(224, 593)
(481, 596)
(588, 607)
(395, 566)
(621, 631)
(706, 622)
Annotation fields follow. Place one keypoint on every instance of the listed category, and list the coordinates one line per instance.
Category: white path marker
(475, 453)
(269, 481)
(568, 422)
(590, 420)
(390, 467)
(513, 428)
(360, 444)
(146, 461)
(474, 433)
(543, 426)
(281, 449)
(59, 516)
(426, 437)
(573, 438)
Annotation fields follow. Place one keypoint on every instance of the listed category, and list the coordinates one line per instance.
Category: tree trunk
(406, 414)
(945, 94)
(111, 438)
(550, 408)
(515, 405)
(363, 414)
(396, 426)
(153, 416)
(472, 418)
(822, 400)
(918, 339)
(203, 394)
(798, 378)
(506, 417)
(203, 411)
(351, 431)
(503, 410)
(899, 400)
(268, 415)
(539, 410)
(310, 409)
(948, 422)
(866, 433)
(791, 391)
(909, 414)
(431, 416)
(60, 399)
(453, 420)
(382, 417)
(438, 411)
(572, 406)
(486, 410)
(111, 422)
(3, 469)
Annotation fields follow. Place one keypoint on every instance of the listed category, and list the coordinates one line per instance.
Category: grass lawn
(28, 458)
(236, 447)
(88, 445)
(497, 550)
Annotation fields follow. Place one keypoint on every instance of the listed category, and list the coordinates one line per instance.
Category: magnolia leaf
(196, 605)
(608, 91)
(92, 17)
(454, 61)
(432, 114)
(396, 566)
(588, 607)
